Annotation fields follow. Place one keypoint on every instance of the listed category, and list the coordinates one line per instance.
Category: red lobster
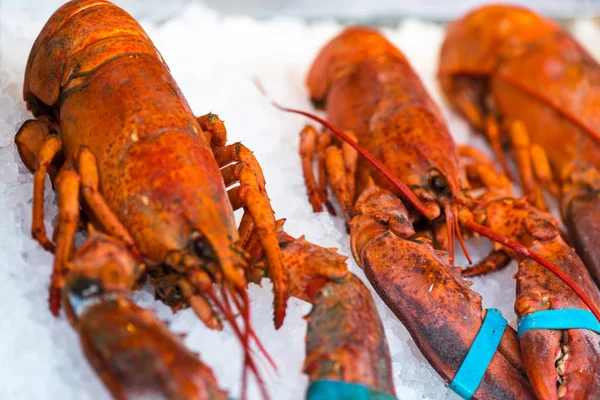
(370, 91)
(505, 66)
(117, 137)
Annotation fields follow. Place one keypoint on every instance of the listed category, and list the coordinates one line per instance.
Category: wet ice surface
(213, 59)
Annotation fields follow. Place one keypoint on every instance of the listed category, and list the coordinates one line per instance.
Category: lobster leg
(88, 171)
(336, 176)
(29, 140)
(481, 171)
(337, 166)
(531, 160)
(231, 175)
(350, 162)
(522, 148)
(67, 184)
(308, 143)
(493, 134)
(48, 151)
(248, 196)
(542, 170)
(239, 153)
(322, 145)
(494, 261)
(215, 127)
(234, 153)
(468, 105)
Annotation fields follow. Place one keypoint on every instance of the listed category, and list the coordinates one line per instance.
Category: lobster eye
(439, 184)
(204, 250)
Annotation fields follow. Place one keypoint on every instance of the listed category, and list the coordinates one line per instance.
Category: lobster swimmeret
(525, 82)
(371, 93)
(116, 135)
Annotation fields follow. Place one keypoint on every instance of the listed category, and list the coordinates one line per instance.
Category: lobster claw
(130, 349)
(346, 346)
(554, 356)
(137, 356)
(583, 229)
(560, 363)
(440, 312)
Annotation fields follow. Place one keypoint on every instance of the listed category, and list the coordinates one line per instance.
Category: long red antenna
(524, 251)
(406, 192)
(245, 310)
(518, 248)
(459, 235)
(236, 329)
(450, 227)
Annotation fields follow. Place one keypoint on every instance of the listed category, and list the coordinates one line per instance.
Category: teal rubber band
(338, 390)
(568, 318)
(469, 375)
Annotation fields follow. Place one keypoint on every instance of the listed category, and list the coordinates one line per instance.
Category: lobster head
(370, 89)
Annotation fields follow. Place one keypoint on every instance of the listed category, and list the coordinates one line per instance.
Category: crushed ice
(213, 59)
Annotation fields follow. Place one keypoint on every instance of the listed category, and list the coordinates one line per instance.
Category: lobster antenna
(246, 310)
(450, 227)
(249, 361)
(459, 235)
(524, 251)
(401, 186)
(225, 292)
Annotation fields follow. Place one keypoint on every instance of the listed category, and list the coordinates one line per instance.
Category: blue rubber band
(568, 318)
(470, 373)
(338, 390)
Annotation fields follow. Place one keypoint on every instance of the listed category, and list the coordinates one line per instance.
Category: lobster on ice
(116, 136)
(526, 84)
(377, 106)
